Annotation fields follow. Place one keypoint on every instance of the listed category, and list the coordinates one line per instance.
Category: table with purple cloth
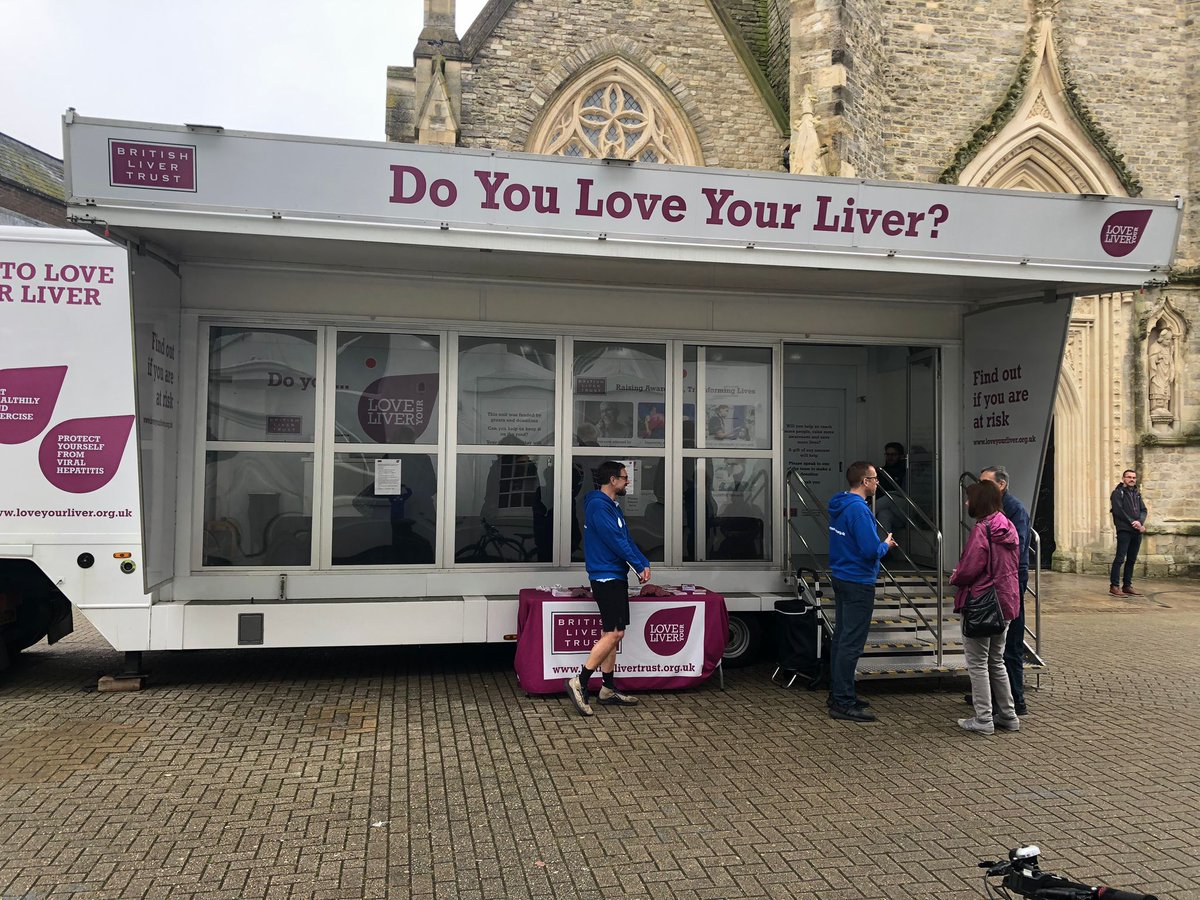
(672, 641)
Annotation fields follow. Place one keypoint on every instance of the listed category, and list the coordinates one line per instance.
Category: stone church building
(1071, 96)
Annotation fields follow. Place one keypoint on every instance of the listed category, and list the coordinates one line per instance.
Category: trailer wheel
(745, 640)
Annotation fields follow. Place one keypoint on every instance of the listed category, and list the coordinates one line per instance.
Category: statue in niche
(1162, 374)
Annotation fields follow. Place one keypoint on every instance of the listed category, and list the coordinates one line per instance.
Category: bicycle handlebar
(1022, 875)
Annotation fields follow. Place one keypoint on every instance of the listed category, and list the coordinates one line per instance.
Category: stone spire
(437, 73)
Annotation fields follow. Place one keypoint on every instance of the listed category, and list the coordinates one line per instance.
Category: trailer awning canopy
(199, 194)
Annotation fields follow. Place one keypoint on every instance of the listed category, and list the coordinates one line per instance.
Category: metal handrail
(1035, 549)
(818, 511)
(814, 503)
(939, 588)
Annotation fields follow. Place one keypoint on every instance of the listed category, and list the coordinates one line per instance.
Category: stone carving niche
(1164, 370)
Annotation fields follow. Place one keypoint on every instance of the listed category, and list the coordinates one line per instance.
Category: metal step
(898, 648)
(871, 667)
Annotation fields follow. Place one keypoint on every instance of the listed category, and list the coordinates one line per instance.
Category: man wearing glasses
(854, 554)
(609, 553)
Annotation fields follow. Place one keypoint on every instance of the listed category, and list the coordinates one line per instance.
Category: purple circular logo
(667, 630)
(1120, 233)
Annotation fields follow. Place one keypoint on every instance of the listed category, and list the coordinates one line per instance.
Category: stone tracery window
(615, 112)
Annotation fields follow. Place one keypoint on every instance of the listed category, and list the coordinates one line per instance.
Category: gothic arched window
(613, 111)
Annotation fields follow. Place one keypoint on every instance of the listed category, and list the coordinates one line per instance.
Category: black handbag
(981, 615)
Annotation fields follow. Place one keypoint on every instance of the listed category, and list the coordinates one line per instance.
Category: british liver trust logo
(574, 632)
(161, 167)
(1120, 233)
(667, 630)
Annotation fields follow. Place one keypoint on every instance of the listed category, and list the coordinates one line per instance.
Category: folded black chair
(800, 635)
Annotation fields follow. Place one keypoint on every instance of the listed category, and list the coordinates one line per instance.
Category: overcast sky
(294, 66)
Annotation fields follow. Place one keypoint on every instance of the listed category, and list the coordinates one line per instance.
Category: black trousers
(1128, 544)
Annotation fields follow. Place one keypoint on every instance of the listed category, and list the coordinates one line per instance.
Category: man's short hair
(999, 473)
(983, 499)
(857, 471)
(1127, 471)
(894, 445)
(608, 470)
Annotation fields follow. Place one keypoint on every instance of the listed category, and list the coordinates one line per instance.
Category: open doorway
(845, 403)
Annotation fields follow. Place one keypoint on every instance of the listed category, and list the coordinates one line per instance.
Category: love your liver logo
(1120, 233)
(667, 630)
(397, 408)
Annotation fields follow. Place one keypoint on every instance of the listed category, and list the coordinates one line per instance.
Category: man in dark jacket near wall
(1129, 517)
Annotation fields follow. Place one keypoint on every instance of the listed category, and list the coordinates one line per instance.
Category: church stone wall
(1131, 69)
(865, 93)
(949, 65)
(534, 39)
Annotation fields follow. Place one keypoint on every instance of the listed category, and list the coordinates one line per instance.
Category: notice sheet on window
(387, 476)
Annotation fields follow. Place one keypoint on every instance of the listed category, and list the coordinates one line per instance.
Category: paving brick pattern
(427, 773)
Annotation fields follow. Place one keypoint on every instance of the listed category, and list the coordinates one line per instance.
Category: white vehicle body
(322, 252)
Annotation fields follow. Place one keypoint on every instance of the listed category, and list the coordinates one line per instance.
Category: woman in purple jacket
(989, 558)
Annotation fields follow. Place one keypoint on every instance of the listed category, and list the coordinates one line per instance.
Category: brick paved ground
(414, 773)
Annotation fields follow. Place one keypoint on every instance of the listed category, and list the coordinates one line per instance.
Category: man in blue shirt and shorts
(608, 553)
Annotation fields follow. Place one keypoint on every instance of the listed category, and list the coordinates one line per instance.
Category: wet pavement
(427, 772)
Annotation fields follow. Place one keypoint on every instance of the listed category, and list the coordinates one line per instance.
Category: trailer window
(384, 509)
(262, 384)
(387, 388)
(644, 503)
(736, 409)
(257, 508)
(504, 508)
(620, 394)
(726, 509)
(505, 391)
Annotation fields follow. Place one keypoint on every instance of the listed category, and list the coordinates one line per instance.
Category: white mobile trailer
(331, 341)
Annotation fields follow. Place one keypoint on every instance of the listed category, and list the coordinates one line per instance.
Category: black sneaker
(579, 696)
(968, 699)
(858, 704)
(851, 714)
(1021, 708)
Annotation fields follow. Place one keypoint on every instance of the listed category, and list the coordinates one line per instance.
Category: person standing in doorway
(887, 512)
(854, 554)
(1129, 517)
(1014, 647)
(608, 553)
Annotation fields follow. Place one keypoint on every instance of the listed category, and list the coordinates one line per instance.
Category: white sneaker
(579, 697)
(973, 724)
(609, 695)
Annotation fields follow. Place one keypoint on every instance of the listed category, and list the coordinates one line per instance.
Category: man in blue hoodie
(608, 553)
(854, 554)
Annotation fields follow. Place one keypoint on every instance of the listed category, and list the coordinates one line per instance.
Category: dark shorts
(613, 599)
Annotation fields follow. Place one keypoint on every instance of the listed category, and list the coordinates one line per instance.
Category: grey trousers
(985, 666)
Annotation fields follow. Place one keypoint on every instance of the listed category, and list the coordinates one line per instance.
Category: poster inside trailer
(67, 443)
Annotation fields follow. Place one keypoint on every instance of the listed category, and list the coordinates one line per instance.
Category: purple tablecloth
(671, 642)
